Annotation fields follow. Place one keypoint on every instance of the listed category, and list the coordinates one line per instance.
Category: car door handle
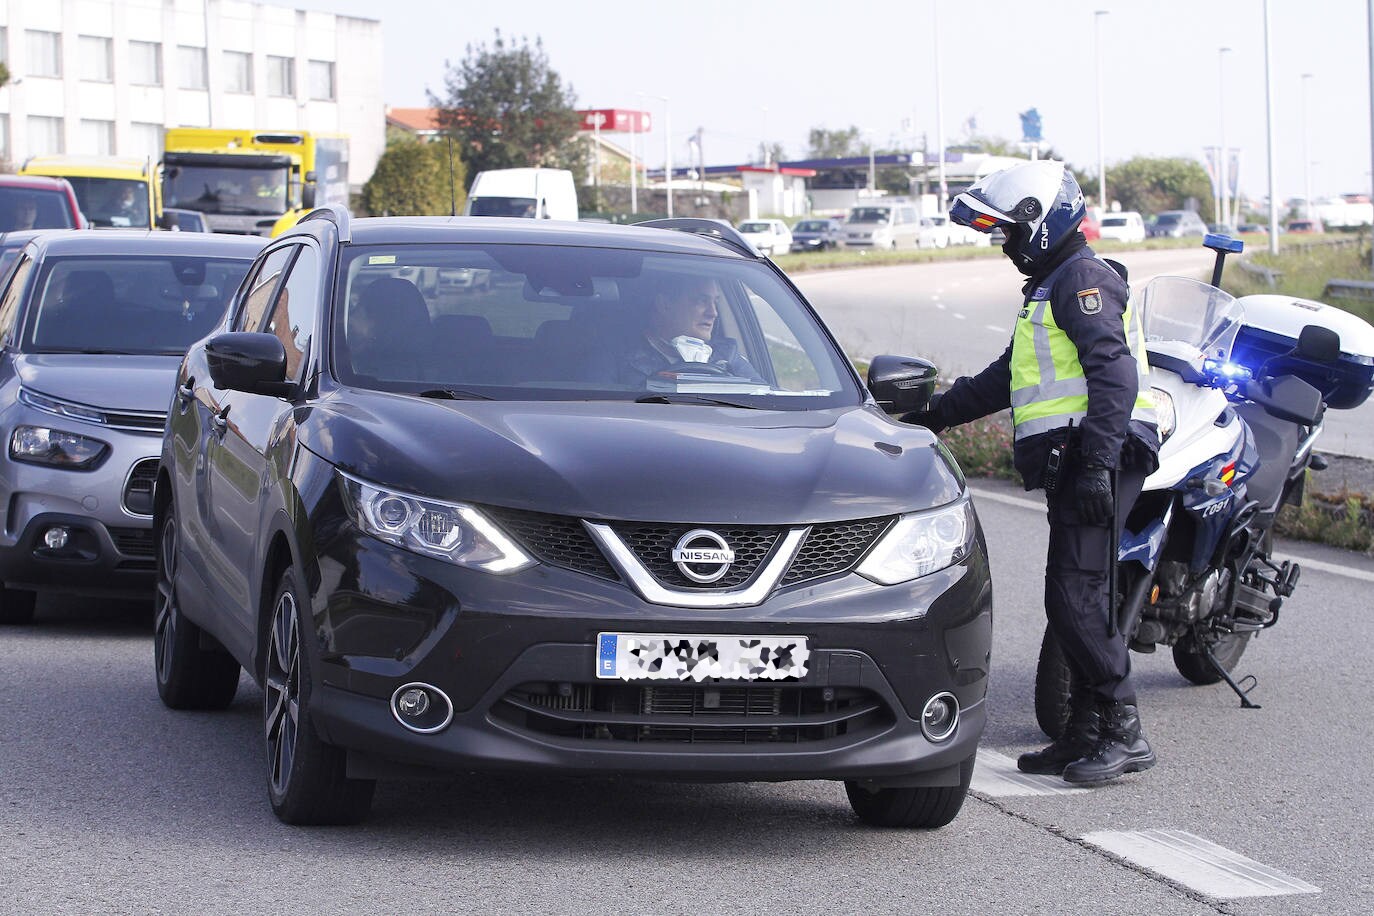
(220, 421)
(186, 392)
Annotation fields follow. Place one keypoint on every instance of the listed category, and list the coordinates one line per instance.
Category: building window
(97, 137)
(191, 68)
(322, 80)
(238, 72)
(97, 59)
(45, 136)
(145, 140)
(145, 63)
(281, 76)
(45, 54)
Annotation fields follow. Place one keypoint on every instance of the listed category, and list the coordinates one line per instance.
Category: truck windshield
(869, 215)
(113, 202)
(210, 189)
(502, 206)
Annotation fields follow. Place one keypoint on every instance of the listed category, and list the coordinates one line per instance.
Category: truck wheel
(16, 605)
(924, 807)
(1051, 688)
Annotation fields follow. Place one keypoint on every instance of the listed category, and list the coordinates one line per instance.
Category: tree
(834, 144)
(1150, 185)
(507, 108)
(412, 179)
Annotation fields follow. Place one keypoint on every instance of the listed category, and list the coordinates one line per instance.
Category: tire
(1052, 686)
(307, 781)
(193, 671)
(923, 807)
(1193, 665)
(16, 606)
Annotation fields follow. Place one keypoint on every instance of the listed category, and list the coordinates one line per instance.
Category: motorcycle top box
(1271, 327)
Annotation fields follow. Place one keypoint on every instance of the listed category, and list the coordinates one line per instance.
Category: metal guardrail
(1268, 274)
(1349, 289)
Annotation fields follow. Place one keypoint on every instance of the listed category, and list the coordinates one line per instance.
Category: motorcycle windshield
(1190, 312)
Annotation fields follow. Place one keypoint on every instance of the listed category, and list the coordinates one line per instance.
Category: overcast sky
(748, 71)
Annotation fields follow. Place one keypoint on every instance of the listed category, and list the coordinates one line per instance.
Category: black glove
(1093, 493)
(930, 418)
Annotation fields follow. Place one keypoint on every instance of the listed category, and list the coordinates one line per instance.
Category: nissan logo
(703, 556)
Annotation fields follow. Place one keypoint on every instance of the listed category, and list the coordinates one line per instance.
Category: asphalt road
(959, 314)
(111, 803)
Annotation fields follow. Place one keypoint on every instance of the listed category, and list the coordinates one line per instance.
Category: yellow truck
(250, 182)
(113, 192)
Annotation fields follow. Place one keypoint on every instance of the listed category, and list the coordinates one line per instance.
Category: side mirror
(1287, 398)
(242, 361)
(901, 384)
(308, 196)
(1319, 344)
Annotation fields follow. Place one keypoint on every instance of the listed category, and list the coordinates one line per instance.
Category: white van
(882, 224)
(1125, 226)
(533, 193)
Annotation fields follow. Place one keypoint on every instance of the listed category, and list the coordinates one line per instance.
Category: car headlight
(1165, 414)
(55, 448)
(921, 543)
(455, 532)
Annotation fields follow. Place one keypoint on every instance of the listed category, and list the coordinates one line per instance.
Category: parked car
(961, 235)
(38, 202)
(1251, 228)
(882, 224)
(1177, 224)
(1090, 227)
(768, 236)
(1125, 226)
(520, 535)
(815, 235)
(933, 232)
(1305, 226)
(93, 326)
(1225, 229)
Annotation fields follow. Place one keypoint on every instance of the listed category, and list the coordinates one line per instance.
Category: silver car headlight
(1165, 414)
(56, 448)
(921, 543)
(455, 532)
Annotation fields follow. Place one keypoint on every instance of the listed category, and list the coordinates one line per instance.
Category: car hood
(109, 381)
(644, 462)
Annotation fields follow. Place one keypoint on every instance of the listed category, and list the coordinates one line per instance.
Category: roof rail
(717, 229)
(338, 215)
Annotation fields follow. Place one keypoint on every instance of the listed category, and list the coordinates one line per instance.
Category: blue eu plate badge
(605, 655)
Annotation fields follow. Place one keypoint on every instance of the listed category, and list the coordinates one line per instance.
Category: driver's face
(692, 311)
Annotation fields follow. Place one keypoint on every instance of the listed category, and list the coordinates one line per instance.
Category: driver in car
(680, 334)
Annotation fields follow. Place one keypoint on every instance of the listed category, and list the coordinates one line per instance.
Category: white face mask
(692, 349)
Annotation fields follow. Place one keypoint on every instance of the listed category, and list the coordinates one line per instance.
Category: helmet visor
(971, 212)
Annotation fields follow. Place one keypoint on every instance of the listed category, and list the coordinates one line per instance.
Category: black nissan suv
(626, 508)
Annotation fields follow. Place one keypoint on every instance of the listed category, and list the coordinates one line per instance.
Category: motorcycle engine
(1182, 601)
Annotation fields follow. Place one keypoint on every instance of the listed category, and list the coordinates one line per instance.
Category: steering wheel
(699, 368)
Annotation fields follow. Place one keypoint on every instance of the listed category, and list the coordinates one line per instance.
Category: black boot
(1077, 741)
(1121, 748)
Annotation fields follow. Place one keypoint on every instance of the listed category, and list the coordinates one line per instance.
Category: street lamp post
(1222, 155)
(667, 150)
(1306, 154)
(939, 106)
(1101, 159)
(1269, 139)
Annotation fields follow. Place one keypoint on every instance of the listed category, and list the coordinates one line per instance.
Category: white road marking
(941, 306)
(996, 775)
(935, 297)
(959, 315)
(993, 327)
(1199, 864)
(1348, 572)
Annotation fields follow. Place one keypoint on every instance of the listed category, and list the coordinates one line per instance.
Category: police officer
(1085, 433)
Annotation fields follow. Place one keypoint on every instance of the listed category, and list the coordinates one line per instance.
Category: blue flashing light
(1223, 243)
(1228, 371)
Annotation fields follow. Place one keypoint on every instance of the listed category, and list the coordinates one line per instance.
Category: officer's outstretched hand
(930, 418)
(1093, 492)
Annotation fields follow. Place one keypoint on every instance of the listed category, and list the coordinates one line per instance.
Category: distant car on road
(1090, 227)
(768, 236)
(1125, 226)
(934, 232)
(1251, 228)
(93, 326)
(38, 202)
(1177, 224)
(1305, 226)
(1225, 229)
(815, 235)
(882, 224)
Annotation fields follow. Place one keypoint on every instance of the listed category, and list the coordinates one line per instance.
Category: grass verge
(1305, 267)
(846, 258)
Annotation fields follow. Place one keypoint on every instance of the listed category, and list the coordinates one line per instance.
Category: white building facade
(107, 77)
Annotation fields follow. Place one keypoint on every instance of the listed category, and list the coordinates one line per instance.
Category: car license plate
(696, 657)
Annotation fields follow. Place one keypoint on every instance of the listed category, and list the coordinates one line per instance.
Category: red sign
(616, 120)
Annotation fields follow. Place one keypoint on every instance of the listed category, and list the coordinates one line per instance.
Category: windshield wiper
(692, 399)
(454, 394)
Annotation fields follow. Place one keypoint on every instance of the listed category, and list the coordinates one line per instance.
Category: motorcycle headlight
(55, 448)
(455, 532)
(921, 543)
(1164, 412)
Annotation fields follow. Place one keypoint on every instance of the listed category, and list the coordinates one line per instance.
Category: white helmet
(1037, 204)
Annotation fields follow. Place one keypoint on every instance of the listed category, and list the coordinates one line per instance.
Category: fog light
(413, 703)
(940, 716)
(56, 538)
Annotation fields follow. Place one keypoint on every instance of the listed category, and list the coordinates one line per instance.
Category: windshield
(755, 227)
(1167, 219)
(869, 215)
(1190, 311)
(148, 304)
(810, 226)
(1113, 221)
(537, 322)
(112, 202)
(25, 208)
(502, 206)
(245, 191)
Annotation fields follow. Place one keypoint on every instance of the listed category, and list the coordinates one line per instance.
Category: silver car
(93, 326)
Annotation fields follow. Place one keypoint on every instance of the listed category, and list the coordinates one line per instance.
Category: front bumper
(97, 559)
(516, 655)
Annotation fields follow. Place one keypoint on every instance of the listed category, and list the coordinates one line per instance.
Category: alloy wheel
(281, 696)
(165, 613)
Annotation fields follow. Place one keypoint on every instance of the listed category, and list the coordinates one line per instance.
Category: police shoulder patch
(1090, 301)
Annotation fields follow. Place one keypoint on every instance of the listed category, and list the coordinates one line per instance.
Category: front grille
(834, 548)
(557, 540)
(133, 542)
(136, 422)
(693, 713)
(138, 489)
(653, 545)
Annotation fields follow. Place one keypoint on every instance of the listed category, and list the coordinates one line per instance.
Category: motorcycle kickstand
(1230, 681)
